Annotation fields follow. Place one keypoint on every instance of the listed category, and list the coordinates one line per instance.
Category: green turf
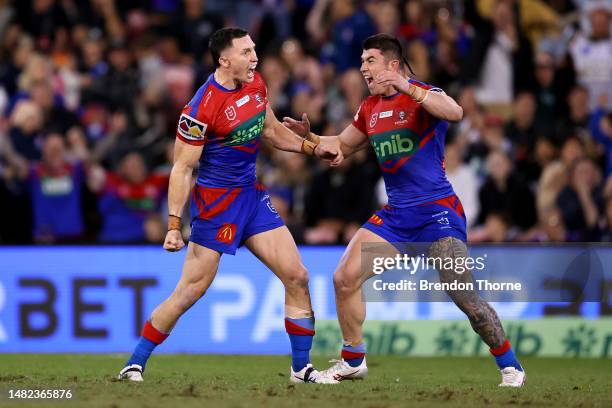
(177, 381)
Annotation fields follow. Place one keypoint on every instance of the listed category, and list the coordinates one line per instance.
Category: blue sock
(301, 333)
(353, 355)
(504, 357)
(142, 352)
(150, 338)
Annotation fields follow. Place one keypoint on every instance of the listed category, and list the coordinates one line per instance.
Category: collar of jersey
(391, 96)
(211, 78)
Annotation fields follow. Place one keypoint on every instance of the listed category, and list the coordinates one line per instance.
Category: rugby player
(219, 132)
(405, 121)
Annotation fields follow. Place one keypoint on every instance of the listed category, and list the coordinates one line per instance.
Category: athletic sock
(300, 331)
(150, 338)
(504, 356)
(353, 355)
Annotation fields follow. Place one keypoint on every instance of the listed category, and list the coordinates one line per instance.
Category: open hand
(394, 79)
(299, 127)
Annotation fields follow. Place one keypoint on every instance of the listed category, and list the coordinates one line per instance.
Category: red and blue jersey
(125, 207)
(56, 200)
(228, 123)
(409, 145)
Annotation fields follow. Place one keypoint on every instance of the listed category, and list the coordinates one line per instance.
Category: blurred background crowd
(91, 90)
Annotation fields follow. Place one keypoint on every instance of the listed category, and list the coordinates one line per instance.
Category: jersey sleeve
(194, 123)
(359, 120)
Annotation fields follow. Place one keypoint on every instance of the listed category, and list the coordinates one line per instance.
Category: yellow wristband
(417, 93)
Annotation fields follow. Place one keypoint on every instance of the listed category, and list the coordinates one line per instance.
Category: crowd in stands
(91, 90)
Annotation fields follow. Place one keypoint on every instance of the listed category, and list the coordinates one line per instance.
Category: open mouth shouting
(251, 71)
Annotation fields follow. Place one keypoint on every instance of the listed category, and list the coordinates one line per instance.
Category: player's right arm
(186, 159)
(349, 141)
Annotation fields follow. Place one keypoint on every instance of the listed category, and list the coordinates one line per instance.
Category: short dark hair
(387, 44)
(222, 39)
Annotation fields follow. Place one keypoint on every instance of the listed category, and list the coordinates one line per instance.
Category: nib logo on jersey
(394, 144)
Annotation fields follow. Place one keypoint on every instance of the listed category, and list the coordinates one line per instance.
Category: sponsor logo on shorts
(226, 233)
(376, 220)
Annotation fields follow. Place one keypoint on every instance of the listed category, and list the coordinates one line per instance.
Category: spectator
(549, 92)
(109, 78)
(351, 26)
(576, 122)
(55, 187)
(129, 199)
(339, 200)
(536, 18)
(521, 129)
(590, 52)
(600, 126)
(464, 181)
(571, 152)
(607, 222)
(277, 77)
(194, 26)
(119, 85)
(581, 201)
(496, 228)
(500, 62)
(550, 225)
(25, 131)
(504, 191)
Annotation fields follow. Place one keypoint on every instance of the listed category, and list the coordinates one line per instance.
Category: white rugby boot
(341, 371)
(131, 373)
(511, 377)
(309, 374)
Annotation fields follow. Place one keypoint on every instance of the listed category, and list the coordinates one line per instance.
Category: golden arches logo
(376, 220)
(226, 233)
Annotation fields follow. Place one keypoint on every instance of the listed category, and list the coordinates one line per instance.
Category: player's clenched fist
(174, 241)
(330, 153)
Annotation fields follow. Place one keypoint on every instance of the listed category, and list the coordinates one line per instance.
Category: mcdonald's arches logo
(226, 233)
(376, 220)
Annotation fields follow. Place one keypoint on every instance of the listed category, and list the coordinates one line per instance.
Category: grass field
(177, 381)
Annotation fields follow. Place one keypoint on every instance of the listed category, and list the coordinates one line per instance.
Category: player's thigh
(199, 270)
(355, 266)
(278, 251)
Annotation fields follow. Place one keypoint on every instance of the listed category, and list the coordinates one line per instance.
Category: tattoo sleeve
(482, 316)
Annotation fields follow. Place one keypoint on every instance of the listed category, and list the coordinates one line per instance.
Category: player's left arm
(282, 138)
(435, 101)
